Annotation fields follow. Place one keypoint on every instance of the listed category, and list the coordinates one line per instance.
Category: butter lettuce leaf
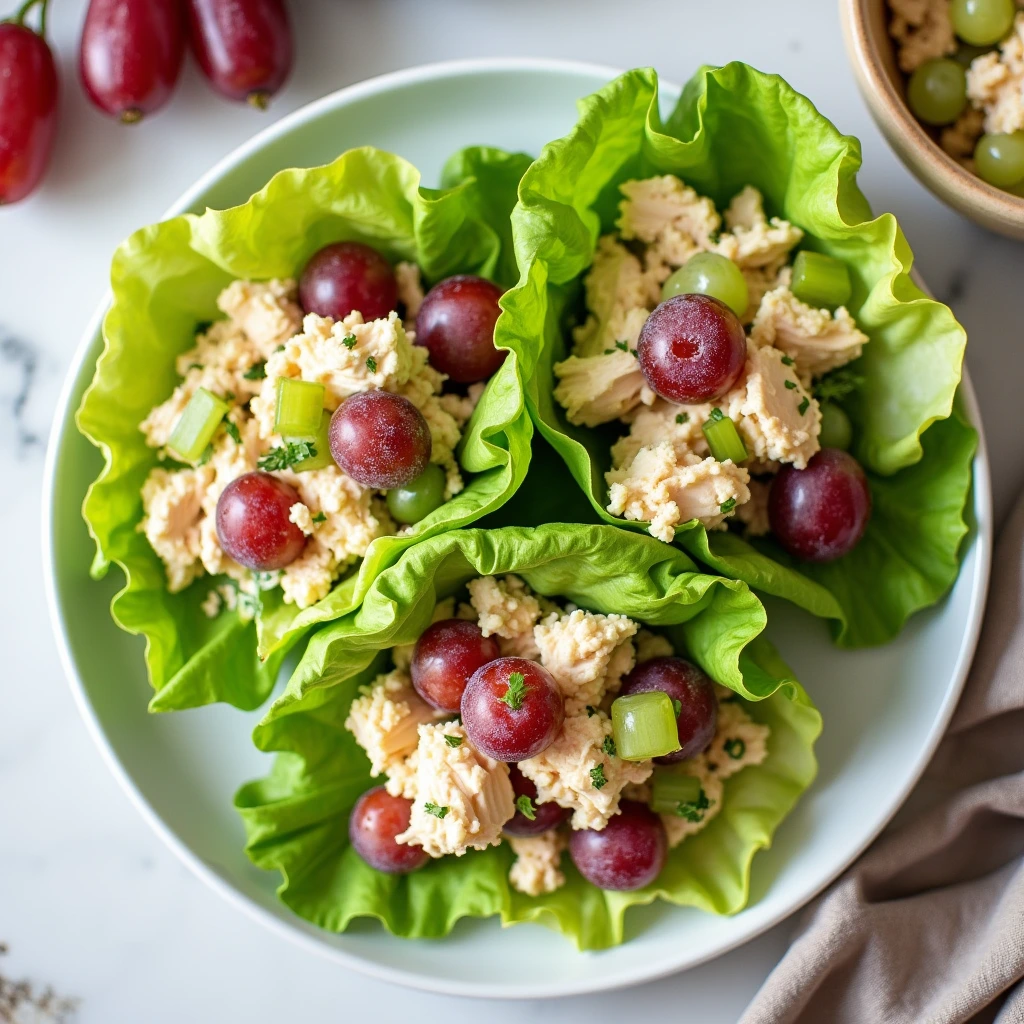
(165, 281)
(735, 126)
(296, 819)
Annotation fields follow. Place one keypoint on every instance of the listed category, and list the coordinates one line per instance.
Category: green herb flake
(591, 711)
(803, 406)
(837, 385)
(677, 707)
(609, 746)
(349, 342)
(525, 807)
(371, 364)
(195, 366)
(622, 346)
(693, 810)
(787, 361)
(683, 417)
(735, 748)
(716, 415)
(257, 372)
(790, 385)
(452, 741)
(320, 517)
(597, 779)
(437, 812)
(516, 692)
(727, 506)
(205, 457)
(232, 431)
(229, 396)
(287, 455)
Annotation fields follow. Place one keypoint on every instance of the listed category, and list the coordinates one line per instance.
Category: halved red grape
(456, 324)
(692, 349)
(445, 656)
(694, 691)
(628, 853)
(512, 709)
(348, 276)
(545, 816)
(253, 525)
(819, 513)
(375, 821)
(379, 439)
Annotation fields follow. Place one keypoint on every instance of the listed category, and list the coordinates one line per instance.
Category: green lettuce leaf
(165, 280)
(735, 126)
(296, 818)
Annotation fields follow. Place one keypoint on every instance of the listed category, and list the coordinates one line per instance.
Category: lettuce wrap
(296, 819)
(165, 280)
(735, 126)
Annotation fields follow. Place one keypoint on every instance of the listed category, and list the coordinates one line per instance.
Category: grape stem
(19, 16)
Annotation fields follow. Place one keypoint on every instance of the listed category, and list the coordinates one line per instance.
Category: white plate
(884, 710)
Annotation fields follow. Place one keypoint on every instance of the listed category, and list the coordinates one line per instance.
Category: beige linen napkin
(928, 926)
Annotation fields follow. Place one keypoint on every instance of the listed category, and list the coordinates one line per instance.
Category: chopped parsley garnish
(349, 342)
(452, 741)
(195, 366)
(609, 746)
(229, 396)
(525, 807)
(693, 810)
(735, 748)
(320, 517)
(280, 348)
(591, 711)
(802, 407)
(683, 417)
(597, 779)
(516, 692)
(257, 372)
(205, 457)
(287, 455)
(232, 431)
(371, 364)
(437, 812)
(837, 385)
(677, 707)
(727, 506)
(787, 361)
(622, 346)
(790, 385)
(716, 415)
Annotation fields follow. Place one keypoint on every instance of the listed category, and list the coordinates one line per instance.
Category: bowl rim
(64, 417)
(908, 137)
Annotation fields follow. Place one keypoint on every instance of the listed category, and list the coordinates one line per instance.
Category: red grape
(692, 349)
(376, 819)
(253, 525)
(820, 513)
(512, 709)
(379, 439)
(547, 816)
(456, 324)
(628, 853)
(131, 54)
(28, 110)
(692, 688)
(348, 276)
(445, 656)
(244, 47)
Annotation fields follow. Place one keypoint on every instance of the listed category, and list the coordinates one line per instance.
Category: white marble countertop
(90, 901)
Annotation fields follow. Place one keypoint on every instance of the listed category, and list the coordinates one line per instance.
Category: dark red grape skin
(28, 110)
(375, 821)
(456, 324)
(131, 55)
(548, 816)
(692, 349)
(244, 47)
(379, 439)
(348, 276)
(628, 853)
(698, 706)
(253, 525)
(512, 733)
(820, 513)
(445, 656)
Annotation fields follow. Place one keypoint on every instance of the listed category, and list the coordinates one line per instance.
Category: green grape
(836, 428)
(937, 91)
(707, 273)
(982, 22)
(999, 159)
(417, 499)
